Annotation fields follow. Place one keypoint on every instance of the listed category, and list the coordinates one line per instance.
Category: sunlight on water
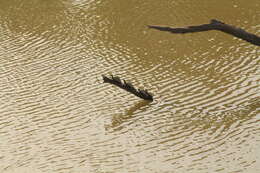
(57, 115)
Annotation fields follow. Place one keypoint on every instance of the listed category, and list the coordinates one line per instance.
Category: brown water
(57, 116)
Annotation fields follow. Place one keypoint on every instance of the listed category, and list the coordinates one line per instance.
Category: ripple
(56, 115)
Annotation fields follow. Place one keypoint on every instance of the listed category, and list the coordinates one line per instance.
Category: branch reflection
(118, 119)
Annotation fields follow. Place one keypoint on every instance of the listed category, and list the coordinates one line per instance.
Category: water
(56, 115)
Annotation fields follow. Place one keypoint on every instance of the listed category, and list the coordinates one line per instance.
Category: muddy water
(57, 116)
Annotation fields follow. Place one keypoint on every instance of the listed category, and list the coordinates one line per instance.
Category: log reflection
(117, 120)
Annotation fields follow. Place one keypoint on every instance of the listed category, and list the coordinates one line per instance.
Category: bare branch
(213, 25)
(144, 94)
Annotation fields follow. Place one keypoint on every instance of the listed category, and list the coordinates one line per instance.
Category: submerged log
(213, 25)
(144, 94)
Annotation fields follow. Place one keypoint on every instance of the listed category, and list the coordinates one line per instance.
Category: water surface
(57, 116)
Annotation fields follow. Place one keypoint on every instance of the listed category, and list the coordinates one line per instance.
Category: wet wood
(144, 94)
(213, 25)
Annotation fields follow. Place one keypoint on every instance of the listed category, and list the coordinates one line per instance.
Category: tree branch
(144, 94)
(213, 25)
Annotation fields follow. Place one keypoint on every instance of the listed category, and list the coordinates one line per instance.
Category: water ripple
(57, 115)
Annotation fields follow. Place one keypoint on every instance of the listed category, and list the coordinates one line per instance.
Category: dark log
(144, 94)
(213, 25)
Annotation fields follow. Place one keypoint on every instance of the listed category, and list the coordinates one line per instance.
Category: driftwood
(144, 94)
(213, 25)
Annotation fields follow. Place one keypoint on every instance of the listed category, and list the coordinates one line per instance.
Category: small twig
(213, 25)
(144, 94)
